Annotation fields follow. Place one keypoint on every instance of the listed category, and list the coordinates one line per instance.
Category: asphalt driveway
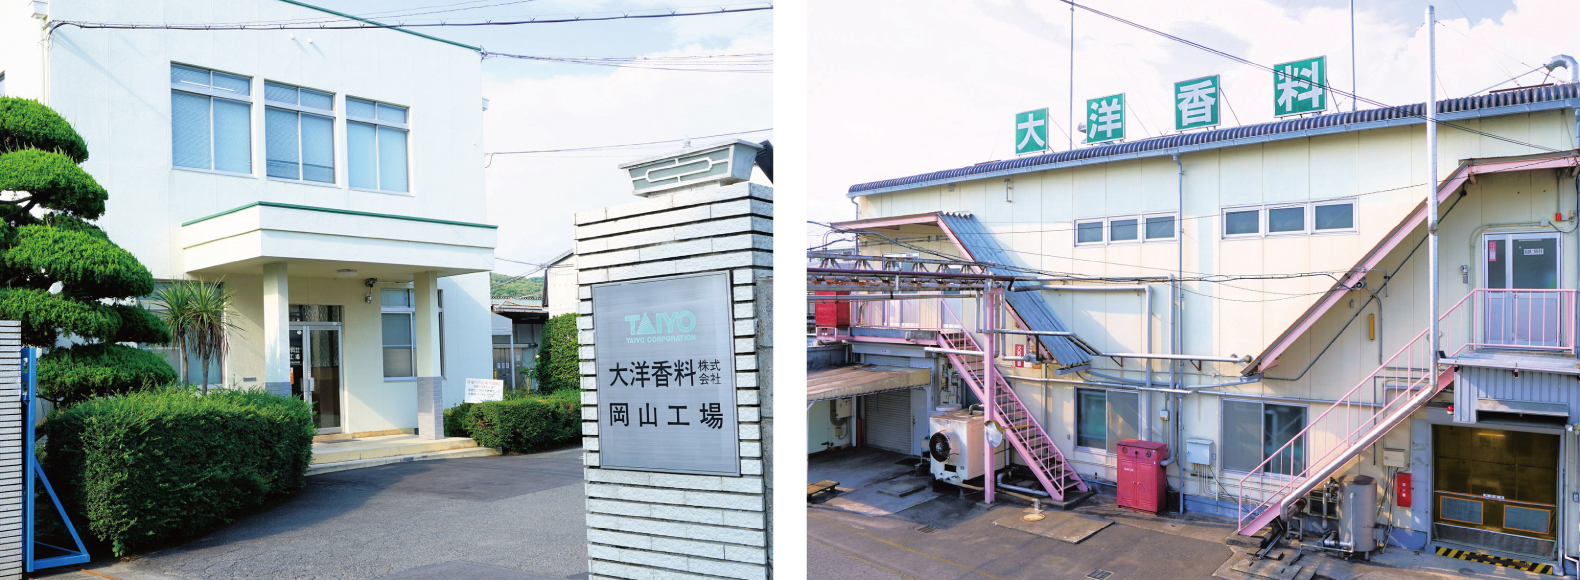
(512, 517)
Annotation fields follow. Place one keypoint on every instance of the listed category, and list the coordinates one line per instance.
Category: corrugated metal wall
(1475, 383)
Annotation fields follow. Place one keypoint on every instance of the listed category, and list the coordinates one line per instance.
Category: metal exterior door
(1516, 262)
(887, 421)
(502, 367)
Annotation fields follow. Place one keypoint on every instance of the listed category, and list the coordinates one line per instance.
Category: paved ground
(514, 517)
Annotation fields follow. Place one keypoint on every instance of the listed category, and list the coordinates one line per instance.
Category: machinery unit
(1351, 501)
(956, 446)
(1141, 475)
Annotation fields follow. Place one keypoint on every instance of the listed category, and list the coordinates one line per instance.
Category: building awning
(850, 381)
(1466, 172)
(329, 242)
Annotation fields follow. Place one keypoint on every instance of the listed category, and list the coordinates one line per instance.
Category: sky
(536, 106)
(902, 87)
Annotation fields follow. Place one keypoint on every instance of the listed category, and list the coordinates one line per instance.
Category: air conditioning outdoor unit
(956, 446)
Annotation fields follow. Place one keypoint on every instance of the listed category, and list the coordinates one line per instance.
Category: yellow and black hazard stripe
(1496, 560)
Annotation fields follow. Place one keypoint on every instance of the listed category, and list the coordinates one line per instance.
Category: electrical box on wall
(1395, 458)
(841, 408)
(1198, 451)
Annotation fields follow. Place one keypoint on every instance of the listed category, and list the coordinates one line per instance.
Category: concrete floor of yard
(512, 517)
(881, 526)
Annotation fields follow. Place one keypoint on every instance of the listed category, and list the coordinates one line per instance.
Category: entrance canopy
(325, 242)
(850, 381)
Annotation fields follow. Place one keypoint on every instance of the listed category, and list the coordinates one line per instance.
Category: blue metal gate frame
(58, 556)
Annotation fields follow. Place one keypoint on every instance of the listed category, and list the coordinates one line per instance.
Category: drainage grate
(1099, 574)
(927, 529)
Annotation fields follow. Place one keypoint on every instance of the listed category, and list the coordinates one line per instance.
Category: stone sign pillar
(11, 449)
(674, 396)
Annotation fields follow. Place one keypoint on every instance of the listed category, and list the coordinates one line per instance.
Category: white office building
(331, 178)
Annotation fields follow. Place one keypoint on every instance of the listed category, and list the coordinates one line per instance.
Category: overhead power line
(1329, 88)
(358, 24)
(490, 156)
(752, 62)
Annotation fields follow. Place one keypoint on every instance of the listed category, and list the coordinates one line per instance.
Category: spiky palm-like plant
(175, 301)
(212, 317)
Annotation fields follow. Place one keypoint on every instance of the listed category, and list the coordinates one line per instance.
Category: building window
(398, 314)
(1319, 217)
(1254, 431)
(1126, 229)
(299, 133)
(1104, 418)
(376, 145)
(210, 120)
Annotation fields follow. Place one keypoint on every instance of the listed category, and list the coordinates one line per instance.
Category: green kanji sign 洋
(1196, 103)
(1105, 118)
(1300, 86)
(1031, 132)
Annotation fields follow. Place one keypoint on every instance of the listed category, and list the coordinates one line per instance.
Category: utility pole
(1353, 88)
(1431, 194)
(1072, 77)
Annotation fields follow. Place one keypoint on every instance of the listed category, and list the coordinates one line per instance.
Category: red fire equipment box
(1141, 475)
(1402, 491)
(834, 313)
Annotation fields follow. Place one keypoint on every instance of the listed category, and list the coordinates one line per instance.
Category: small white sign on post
(479, 390)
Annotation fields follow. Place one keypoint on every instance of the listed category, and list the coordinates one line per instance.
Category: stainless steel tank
(1358, 513)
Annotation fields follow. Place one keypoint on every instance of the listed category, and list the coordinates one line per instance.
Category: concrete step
(474, 451)
(384, 446)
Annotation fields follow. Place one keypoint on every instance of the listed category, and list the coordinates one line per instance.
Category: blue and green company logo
(662, 327)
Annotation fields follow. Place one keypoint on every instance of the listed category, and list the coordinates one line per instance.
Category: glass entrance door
(315, 373)
(1518, 312)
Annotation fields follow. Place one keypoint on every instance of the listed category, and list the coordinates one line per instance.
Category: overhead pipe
(940, 350)
(1181, 357)
(873, 297)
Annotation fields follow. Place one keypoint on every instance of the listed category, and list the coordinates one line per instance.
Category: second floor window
(210, 120)
(299, 129)
(376, 145)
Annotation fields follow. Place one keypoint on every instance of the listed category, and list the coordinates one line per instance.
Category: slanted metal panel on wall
(1030, 306)
(886, 421)
(1478, 383)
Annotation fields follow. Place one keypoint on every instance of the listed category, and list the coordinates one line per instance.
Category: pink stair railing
(1482, 319)
(1023, 431)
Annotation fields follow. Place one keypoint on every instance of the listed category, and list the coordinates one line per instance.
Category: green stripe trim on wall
(355, 17)
(339, 211)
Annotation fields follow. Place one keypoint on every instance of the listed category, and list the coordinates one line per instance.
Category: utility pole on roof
(1431, 195)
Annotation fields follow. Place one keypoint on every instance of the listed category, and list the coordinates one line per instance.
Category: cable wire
(368, 24)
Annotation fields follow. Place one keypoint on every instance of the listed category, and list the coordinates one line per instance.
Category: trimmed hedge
(523, 425)
(69, 375)
(455, 424)
(559, 360)
(170, 463)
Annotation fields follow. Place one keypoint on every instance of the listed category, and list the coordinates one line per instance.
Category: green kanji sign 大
(1031, 131)
(1196, 103)
(1105, 118)
(1300, 86)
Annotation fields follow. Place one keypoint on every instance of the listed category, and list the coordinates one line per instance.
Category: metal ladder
(1020, 426)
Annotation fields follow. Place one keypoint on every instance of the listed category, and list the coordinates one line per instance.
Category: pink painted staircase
(1355, 422)
(1020, 426)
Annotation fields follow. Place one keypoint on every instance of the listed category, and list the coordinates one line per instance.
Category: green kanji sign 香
(1196, 103)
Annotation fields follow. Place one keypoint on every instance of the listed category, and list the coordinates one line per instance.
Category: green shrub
(558, 365)
(523, 425)
(91, 370)
(169, 463)
(455, 421)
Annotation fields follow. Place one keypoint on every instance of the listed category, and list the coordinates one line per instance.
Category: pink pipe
(990, 386)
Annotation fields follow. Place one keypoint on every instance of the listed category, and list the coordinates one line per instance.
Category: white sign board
(479, 390)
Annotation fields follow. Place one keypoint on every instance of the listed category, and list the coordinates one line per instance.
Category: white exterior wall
(113, 86)
(559, 283)
(1036, 228)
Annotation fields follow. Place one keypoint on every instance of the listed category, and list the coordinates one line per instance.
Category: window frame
(212, 93)
(1107, 225)
(376, 123)
(1108, 415)
(411, 320)
(1309, 218)
(300, 109)
(1261, 425)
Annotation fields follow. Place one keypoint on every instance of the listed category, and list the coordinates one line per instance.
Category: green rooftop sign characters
(1105, 118)
(1031, 132)
(1196, 103)
(1299, 86)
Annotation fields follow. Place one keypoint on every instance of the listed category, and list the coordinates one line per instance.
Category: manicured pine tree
(71, 287)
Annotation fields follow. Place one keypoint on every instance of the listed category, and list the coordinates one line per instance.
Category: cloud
(533, 197)
(905, 87)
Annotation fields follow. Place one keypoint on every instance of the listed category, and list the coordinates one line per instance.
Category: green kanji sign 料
(1196, 103)
(1031, 131)
(1105, 118)
(1300, 86)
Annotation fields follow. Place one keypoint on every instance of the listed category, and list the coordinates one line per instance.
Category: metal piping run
(1000, 481)
(1145, 404)
(1185, 357)
(1096, 384)
(872, 297)
(954, 351)
(1036, 332)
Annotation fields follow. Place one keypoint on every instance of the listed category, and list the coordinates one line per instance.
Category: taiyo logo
(662, 322)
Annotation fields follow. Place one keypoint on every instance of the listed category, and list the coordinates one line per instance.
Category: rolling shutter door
(887, 422)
